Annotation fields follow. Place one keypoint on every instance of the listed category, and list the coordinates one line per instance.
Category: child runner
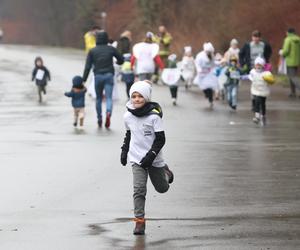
(233, 51)
(234, 74)
(143, 142)
(127, 74)
(41, 75)
(171, 76)
(206, 78)
(188, 68)
(145, 57)
(260, 89)
(222, 77)
(77, 94)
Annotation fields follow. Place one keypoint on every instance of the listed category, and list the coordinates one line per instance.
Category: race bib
(170, 76)
(235, 75)
(40, 74)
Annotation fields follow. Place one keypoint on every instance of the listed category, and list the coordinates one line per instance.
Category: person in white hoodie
(187, 67)
(145, 56)
(259, 90)
(205, 66)
(233, 51)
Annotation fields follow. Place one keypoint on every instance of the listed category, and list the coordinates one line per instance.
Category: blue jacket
(78, 97)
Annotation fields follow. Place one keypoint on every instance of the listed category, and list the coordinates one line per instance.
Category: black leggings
(260, 104)
(173, 90)
(128, 86)
(209, 94)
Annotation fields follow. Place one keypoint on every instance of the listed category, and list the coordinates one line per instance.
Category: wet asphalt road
(237, 185)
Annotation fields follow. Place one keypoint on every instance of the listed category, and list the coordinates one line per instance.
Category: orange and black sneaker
(107, 121)
(140, 226)
(169, 174)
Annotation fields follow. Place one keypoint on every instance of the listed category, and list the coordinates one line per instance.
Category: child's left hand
(147, 161)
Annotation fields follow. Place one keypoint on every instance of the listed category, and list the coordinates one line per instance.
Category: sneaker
(169, 173)
(75, 124)
(255, 120)
(233, 107)
(107, 121)
(99, 123)
(140, 226)
(263, 121)
(174, 101)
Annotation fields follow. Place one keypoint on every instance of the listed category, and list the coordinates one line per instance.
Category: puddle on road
(214, 230)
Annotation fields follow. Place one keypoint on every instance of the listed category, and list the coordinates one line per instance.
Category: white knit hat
(234, 42)
(187, 49)
(172, 57)
(149, 34)
(259, 60)
(208, 47)
(142, 87)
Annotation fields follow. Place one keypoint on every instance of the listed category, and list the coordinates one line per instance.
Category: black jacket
(46, 76)
(245, 56)
(124, 45)
(101, 57)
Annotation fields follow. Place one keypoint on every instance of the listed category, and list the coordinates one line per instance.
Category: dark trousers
(253, 103)
(173, 90)
(260, 104)
(128, 86)
(209, 94)
(292, 73)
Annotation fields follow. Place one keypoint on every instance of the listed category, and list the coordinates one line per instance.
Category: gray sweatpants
(159, 180)
(292, 74)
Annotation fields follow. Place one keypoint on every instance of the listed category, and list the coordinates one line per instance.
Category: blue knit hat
(77, 81)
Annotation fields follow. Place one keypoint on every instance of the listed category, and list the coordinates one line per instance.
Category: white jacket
(259, 87)
(231, 52)
(187, 67)
(145, 54)
(206, 77)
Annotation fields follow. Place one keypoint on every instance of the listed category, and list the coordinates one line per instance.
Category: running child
(221, 70)
(171, 77)
(260, 89)
(41, 75)
(234, 75)
(77, 94)
(188, 68)
(142, 146)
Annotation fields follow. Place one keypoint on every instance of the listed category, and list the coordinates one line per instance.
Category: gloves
(147, 161)
(244, 69)
(125, 148)
(123, 158)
